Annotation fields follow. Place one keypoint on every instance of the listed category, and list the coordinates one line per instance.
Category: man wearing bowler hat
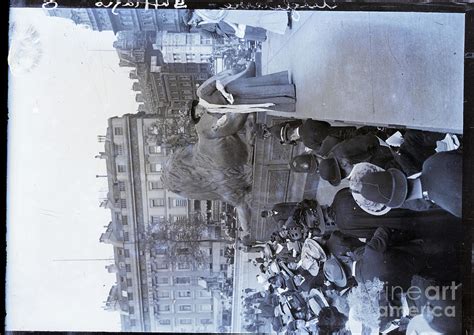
(440, 182)
(363, 148)
(319, 136)
(352, 221)
(339, 161)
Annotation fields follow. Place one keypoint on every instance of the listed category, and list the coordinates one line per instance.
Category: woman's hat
(305, 163)
(355, 184)
(330, 171)
(280, 131)
(335, 272)
(311, 255)
(385, 187)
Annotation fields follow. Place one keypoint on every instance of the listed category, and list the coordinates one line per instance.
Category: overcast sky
(55, 114)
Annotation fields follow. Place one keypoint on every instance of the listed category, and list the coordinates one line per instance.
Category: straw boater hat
(311, 254)
(375, 190)
(317, 301)
(335, 272)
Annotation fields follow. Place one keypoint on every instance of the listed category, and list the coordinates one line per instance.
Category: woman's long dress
(273, 88)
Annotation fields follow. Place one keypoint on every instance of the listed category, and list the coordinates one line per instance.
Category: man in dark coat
(280, 212)
(351, 220)
(394, 264)
(340, 244)
(319, 136)
(416, 148)
(330, 321)
(342, 157)
(339, 161)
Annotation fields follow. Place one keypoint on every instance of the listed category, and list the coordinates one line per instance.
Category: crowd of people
(356, 262)
(350, 266)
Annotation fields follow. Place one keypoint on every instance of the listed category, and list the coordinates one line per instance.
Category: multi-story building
(176, 83)
(152, 293)
(162, 88)
(184, 47)
(103, 19)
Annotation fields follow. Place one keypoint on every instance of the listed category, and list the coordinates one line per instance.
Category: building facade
(184, 47)
(162, 88)
(151, 293)
(103, 19)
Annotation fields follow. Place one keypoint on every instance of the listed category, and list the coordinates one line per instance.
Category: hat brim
(284, 134)
(370, 207)
(400, 188)
(321, 297)
(314, 306)
(314, 269)
(343, 281)
(316, 245)
(337, 180)
(358, 171)
(322, 222)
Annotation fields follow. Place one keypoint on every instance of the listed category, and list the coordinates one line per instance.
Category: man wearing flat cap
(392, 264)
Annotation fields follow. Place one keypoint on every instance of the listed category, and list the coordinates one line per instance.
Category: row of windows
(152, 185)
(163, 294)
(184, 280)
(167, 322)
(180, 77)
(124, 252)
(158, 202)
(152, 167)
(165, 266)
(183, 84)
(183, 308)
(177, 294)
(119, 150)
(177, 96)
(118, 131)
(161, 202)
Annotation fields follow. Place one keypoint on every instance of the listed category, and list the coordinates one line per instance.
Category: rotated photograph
(235, 171)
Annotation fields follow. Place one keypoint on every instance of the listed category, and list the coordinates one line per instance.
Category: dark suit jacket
(342, 245)
(285, 210)
(393, 264)
(351, 220)
(357, 149)
(313, 133)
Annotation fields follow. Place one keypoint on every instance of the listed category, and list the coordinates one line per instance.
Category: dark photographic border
(341, 5)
